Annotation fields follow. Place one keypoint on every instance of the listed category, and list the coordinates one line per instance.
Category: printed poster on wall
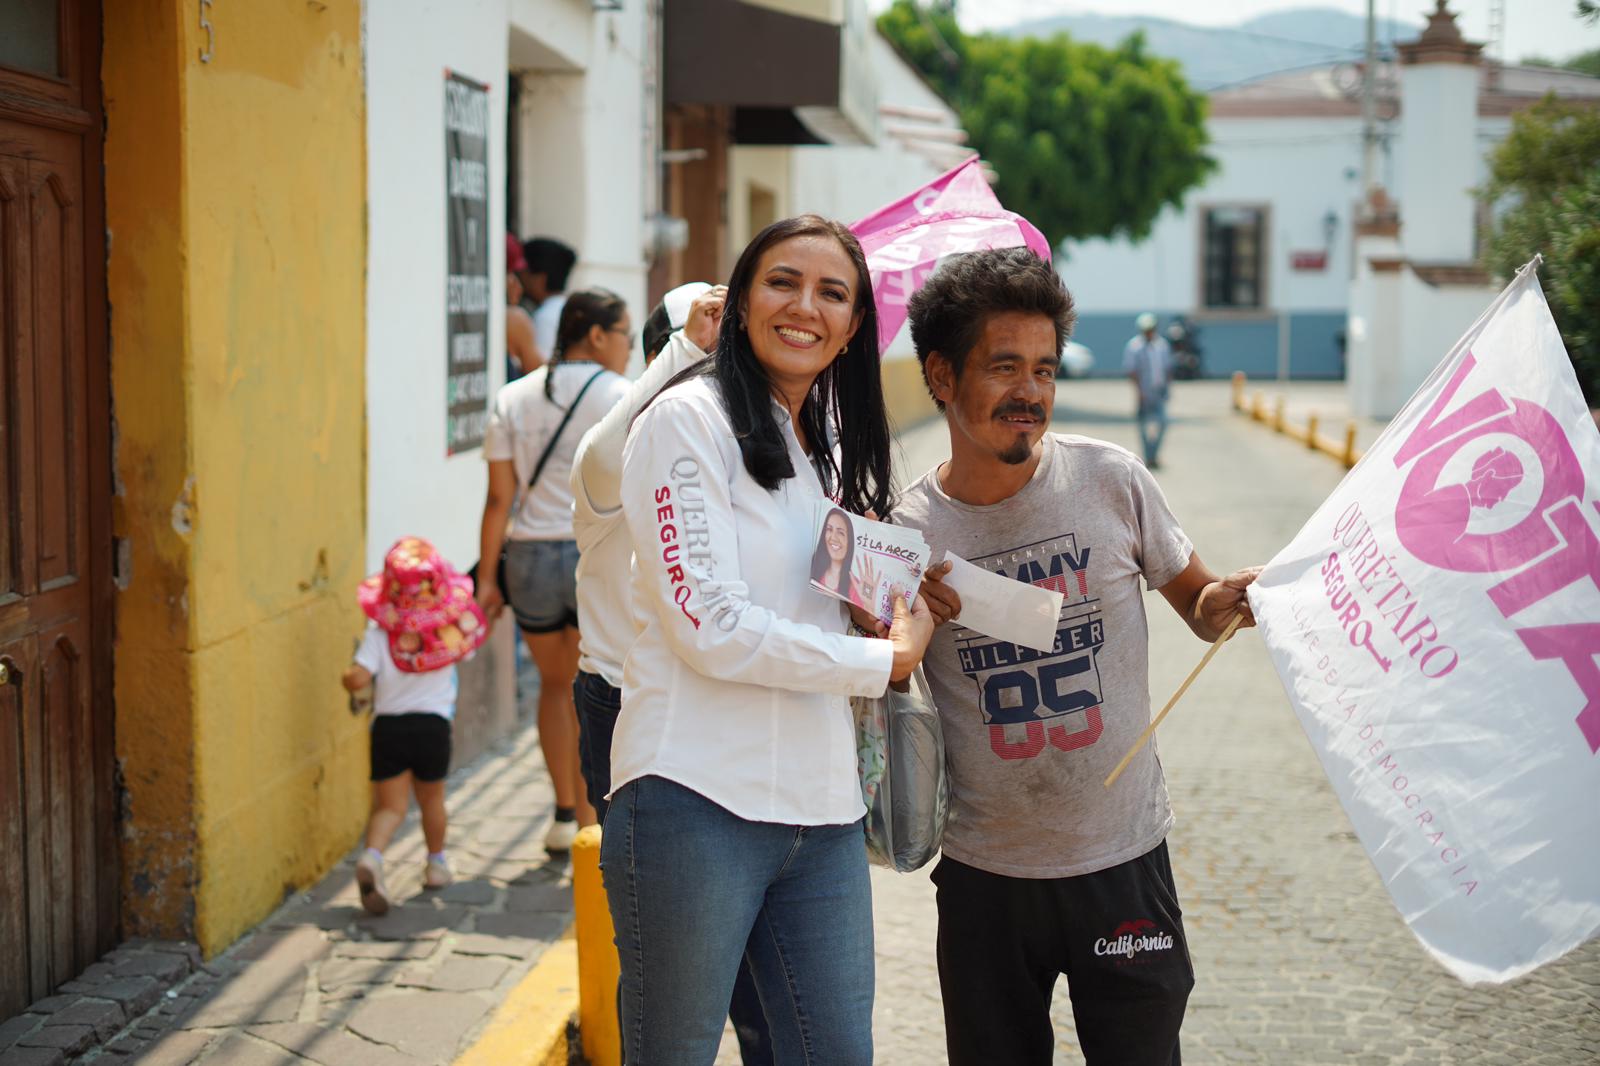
(1436, 625)
(466, 155)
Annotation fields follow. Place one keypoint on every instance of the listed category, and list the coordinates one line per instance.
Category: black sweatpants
(1116, 934)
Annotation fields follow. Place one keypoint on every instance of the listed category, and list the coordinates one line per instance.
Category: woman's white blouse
(737, 686)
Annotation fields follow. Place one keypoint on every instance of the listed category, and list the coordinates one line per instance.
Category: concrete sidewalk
(323, 982)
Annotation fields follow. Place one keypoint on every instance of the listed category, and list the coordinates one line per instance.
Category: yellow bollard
(1350, 453)
(1238, 390)
(598, 968)
(1278, 412)
(1258, 406)
(1311, 431)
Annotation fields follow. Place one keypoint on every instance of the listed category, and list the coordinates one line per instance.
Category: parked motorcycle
(1183, 337)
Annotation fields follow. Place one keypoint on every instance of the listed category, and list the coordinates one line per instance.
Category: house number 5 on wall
(211, 37)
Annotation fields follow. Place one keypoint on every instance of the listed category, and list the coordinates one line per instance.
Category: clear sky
(1545, 28)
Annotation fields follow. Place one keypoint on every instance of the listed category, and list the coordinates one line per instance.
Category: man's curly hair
(948, 313)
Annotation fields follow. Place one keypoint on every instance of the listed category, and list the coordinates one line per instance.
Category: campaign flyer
(866, 563)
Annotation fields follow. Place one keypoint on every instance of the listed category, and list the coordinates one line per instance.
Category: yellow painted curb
(598, 968)
(1256, 408)
(530, 1027)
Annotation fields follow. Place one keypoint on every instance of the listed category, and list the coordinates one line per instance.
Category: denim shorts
(542, 582)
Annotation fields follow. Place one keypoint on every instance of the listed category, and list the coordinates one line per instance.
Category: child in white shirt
(425, 620)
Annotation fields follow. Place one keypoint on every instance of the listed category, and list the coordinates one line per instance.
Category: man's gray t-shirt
(1031, 736)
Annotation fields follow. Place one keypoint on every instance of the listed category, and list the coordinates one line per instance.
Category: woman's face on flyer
(836, 535)
(800, 309)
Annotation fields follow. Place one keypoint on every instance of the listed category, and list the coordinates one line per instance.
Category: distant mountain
(1213, 56)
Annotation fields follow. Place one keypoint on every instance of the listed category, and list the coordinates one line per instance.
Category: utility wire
(1274, 73)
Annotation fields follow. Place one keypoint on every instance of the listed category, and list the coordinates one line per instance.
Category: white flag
(1436, 625)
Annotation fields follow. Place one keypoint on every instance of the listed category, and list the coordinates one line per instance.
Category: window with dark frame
(30, 37)
(1234, 238)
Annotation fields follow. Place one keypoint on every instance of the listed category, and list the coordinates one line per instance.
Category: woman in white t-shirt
(538, 419)
(735, 817)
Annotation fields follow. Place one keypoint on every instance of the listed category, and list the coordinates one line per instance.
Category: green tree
(1544, 188)
(1088, 141)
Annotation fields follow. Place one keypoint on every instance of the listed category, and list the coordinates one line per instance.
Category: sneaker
(369, 879)
(560, 835)
(437, 875)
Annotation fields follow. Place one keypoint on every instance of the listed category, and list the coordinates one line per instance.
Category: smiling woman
(735, 820)
(802, 328)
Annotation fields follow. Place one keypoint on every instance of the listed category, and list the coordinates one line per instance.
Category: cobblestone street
(1299, 956)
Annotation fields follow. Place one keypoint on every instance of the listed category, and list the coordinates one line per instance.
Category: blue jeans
(598, 705)
(691, 885)
(1152, 426)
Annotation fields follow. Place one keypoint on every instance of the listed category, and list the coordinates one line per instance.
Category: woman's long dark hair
(582, 312)
(821, 560)
(848, 392)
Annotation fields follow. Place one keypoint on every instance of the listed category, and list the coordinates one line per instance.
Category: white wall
(412, 487)
(1297, 167)
(1431, 321)
(750, 168)
(585, 175)
(1440, 159)
(552, 193)
(1372, 358)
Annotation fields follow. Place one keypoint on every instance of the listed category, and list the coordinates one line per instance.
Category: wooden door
(58, 872)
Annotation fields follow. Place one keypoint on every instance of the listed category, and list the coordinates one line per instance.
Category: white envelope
(1002, 608)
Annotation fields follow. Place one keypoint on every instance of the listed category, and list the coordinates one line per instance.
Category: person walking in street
(424, 621)
(735, 824)
(1045, 871)
(1147, 359)
(530, 442)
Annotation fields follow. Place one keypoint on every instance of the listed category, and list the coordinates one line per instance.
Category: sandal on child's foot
(369, 879)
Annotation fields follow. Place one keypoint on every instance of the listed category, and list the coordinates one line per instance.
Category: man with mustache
(1045, 871)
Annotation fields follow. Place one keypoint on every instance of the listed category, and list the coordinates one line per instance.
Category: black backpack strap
(572, 410)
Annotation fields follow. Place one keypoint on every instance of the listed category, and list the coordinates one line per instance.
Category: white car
(1076, 361)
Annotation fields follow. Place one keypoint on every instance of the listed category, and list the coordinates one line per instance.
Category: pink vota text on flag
(903, 242)
(1436, 624)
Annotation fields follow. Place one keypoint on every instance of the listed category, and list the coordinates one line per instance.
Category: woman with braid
(533, 434)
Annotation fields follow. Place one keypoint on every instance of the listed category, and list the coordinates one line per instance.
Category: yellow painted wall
(239, 314)
(154, 694)
(905, 394)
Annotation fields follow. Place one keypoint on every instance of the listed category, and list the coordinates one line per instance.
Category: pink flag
(955, 212)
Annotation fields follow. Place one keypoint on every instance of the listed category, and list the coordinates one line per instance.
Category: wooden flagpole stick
(1151, 728)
